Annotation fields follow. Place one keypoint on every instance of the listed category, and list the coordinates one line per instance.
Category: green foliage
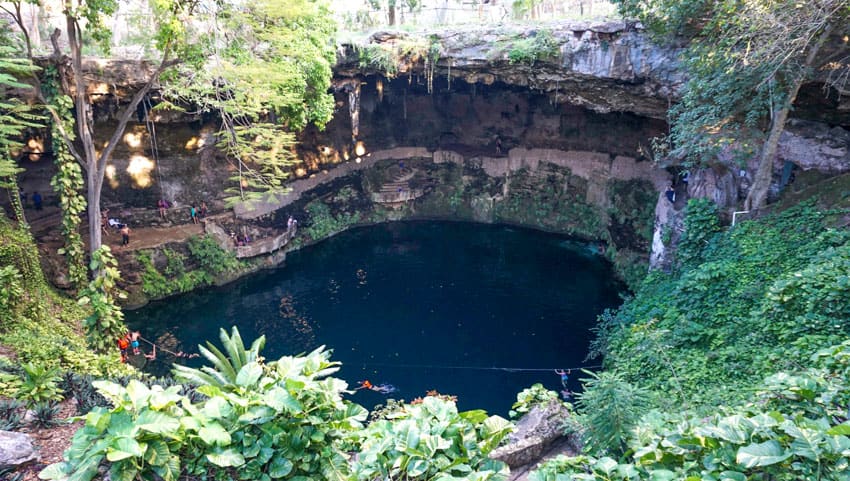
(541, 45)
(283, 419)
(379, 58)
(210, 256)
(106, 323)
(610, 407)
(323, 223)
(701, 223)
(529, 397)
(744, 62)
(795, 427)
(174, 263)
(767, 295)
(226, 368)
(40, 384)
(431, 440)
(271, 77)
(15, 118)
(11, 290)
(45, 414)
(10, 415)
(176, 277)
(68, 181)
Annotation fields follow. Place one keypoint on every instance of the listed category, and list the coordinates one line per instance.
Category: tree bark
(757, 197)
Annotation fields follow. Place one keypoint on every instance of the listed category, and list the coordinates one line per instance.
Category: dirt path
(150, 237)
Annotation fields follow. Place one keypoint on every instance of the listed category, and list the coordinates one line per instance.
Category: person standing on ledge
(193, 214)
(36, 200)
(670, 193)
(125, 235)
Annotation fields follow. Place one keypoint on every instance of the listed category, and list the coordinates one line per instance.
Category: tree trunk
(94, 185)
(757, 197)
(84, 122)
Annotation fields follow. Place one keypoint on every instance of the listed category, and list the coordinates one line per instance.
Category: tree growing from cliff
(269, 77)
(86, 23)
(259, 58)
(746, 62)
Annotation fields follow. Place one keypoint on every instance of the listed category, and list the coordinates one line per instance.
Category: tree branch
(131, 107)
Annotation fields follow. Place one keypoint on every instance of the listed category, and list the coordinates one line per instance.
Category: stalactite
(449, 77)
(354, 109)
(404, 104)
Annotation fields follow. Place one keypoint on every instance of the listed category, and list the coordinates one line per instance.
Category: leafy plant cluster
(15, 118)
(68, 181)
(744, 302)
(105, 325)
(324, 223)
(41, 327)
(431, 440)
(258, 420)
(176, 277)
(541, 45)
(796, 427)
(529, 397)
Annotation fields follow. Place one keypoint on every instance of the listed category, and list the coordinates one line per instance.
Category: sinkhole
(476, 311)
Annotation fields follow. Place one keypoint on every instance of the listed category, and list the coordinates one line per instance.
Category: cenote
(417, 305)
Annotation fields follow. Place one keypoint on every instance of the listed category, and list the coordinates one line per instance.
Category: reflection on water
(412, 305)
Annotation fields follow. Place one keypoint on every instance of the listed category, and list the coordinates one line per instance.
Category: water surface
(416, 305)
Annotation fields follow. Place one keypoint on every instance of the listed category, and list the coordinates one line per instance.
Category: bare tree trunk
(757, 197)
(84, 131)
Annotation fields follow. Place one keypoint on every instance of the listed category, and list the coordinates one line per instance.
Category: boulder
(534, 433)
(717, 183)
(16, 449)
(814, 145)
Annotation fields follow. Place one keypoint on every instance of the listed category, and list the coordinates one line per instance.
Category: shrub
(541, 45)
(528, 398)
(212, 258)
(259, 421)
(610, 408)
(10, 415)
(45, 414)
(428, 439)
(40, 384)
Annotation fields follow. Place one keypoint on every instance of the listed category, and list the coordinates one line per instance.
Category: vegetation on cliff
(734, 366)
(746, 62)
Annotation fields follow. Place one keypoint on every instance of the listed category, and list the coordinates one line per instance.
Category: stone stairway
(397, 191)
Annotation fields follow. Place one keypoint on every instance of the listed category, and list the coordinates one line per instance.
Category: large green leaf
(280, 400)
(214, 434)
(842, 429)
(226, 458)
(249, 374)
(123, 448)
(761, 454)
(158, 422)
(57, 471)
(280, 467)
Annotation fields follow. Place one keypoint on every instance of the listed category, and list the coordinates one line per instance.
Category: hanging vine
(68, 181)
(106, 323)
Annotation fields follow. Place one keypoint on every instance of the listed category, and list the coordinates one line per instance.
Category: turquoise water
(417, 305)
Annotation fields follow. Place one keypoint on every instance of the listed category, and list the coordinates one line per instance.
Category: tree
(264, 68)
(85, 19)
(15, 118)
(269, 77)
(746, 62)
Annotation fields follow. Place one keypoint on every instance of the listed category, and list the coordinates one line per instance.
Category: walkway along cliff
(549, 128)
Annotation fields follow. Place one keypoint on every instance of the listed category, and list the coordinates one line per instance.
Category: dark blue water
(414, 305)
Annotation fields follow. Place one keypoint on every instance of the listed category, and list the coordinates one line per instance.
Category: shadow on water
(415, 305)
